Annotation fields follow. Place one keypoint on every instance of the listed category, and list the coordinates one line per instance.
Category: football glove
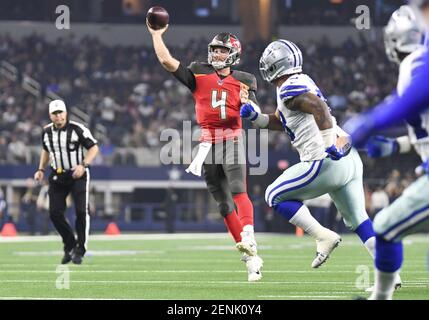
(379, 146)
(248, 112)
(334, 153)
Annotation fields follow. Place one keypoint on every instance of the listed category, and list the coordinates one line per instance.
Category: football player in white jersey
(404, 35)
(328, 163)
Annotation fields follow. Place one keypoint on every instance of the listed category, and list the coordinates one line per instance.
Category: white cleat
(398, 285)
(247, 245)
(254, 265)
(325, 246)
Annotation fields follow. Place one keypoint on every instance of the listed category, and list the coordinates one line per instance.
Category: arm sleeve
(414, 100)
(291, 91)
(252, 97)
(185, 76)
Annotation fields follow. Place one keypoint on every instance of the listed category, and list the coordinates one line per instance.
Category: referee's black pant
(60, 186)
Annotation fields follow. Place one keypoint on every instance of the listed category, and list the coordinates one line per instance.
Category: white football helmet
(404, 33)
(280, 58)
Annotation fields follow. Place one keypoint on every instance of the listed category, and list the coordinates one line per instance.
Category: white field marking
(415, 286)
(179, 282)
(306, 296)
(91, 253)
(319, 293)
(126, 237)
(194, 271)
(184, 282)
(221, 248)
(202, 236)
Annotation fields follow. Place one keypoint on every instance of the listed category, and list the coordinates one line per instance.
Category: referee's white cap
(57, 105)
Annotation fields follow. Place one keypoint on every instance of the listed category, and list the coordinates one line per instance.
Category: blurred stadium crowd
(126, 91)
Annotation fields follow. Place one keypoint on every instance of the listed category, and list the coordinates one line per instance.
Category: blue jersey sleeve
(414, 100)
(292, 91)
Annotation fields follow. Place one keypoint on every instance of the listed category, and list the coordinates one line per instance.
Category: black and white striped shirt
(65, 145)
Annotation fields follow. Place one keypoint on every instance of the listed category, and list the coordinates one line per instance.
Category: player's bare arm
(274, 122)
(309, 103)
(163, 54)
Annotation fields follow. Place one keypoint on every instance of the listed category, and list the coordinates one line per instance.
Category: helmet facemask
(403, 34)
(280, 58)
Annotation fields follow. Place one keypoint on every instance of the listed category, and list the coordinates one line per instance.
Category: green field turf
(201, 266)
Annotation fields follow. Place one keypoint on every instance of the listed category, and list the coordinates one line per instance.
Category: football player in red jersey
(218, 93)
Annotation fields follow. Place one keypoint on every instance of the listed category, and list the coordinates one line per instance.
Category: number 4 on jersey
(219, 103)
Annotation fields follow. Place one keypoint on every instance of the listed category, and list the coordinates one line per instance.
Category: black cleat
(66, 258)
(77, 257)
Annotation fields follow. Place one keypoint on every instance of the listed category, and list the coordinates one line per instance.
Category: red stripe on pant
(245, 208)
(234, 226)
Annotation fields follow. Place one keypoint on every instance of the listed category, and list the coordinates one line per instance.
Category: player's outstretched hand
(154, 32)
(248, 112)
(334, 153)
(379, 146)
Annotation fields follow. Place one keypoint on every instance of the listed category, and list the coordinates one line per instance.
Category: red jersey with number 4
(217, 102)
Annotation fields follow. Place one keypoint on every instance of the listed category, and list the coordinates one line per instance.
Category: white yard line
(90, 253)
(192, 236)
(180, 282)
(188, 271)
(126, 237)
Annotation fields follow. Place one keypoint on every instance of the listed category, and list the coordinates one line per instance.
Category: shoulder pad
(246, 78)
(294, 86)
(201, 68)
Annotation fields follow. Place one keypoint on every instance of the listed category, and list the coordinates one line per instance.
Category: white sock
(370, 246)
(248, 228)
(384, 285)
(306, 221)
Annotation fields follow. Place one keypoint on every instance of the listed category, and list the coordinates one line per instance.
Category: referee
(63, 142)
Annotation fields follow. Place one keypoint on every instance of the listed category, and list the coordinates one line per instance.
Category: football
(157, 17)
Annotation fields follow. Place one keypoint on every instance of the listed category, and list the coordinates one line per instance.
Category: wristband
(328, 136)
(262, 120)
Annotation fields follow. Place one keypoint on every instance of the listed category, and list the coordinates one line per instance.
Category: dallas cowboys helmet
(280, 58)
(404, 33)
